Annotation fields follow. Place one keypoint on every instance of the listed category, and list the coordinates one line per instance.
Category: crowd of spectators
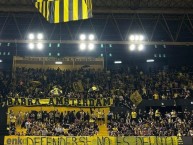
(152, 123)
(55, 123)
(119, 84)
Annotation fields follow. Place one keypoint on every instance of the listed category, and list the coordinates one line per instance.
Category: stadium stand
(170, 84)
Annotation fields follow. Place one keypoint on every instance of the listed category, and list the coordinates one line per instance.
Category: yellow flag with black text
(56, 11)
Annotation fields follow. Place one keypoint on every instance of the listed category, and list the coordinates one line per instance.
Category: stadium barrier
(95, 140)
(68, 63)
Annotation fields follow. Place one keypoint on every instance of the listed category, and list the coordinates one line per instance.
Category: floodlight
(40, 36)
(141, 47)
(117, 62)
(31, 36)
(82, 37)
(136, 37)
(91, 37)
(82, 46)
(1, 60)
(132, 47)
(58, 62)
(132, 38)
(91, 46)
(31, 46)
(40, 46)
(150, 60)
(141, 37)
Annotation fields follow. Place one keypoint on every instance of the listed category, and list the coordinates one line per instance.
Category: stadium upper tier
(120, 84)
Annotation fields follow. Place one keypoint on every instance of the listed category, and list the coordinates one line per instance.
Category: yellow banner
(95, 140)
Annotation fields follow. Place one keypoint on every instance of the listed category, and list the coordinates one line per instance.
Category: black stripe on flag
(80, 12)
(39, 6)
(70, 10)
(89, 8)
(42, 8)
(61, 12)
(45, 9)
(52, 11)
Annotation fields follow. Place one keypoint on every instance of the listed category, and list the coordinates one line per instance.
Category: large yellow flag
(56, 11)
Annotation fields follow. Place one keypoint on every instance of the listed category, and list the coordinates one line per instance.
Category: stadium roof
(166, 24)
(115, 6)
